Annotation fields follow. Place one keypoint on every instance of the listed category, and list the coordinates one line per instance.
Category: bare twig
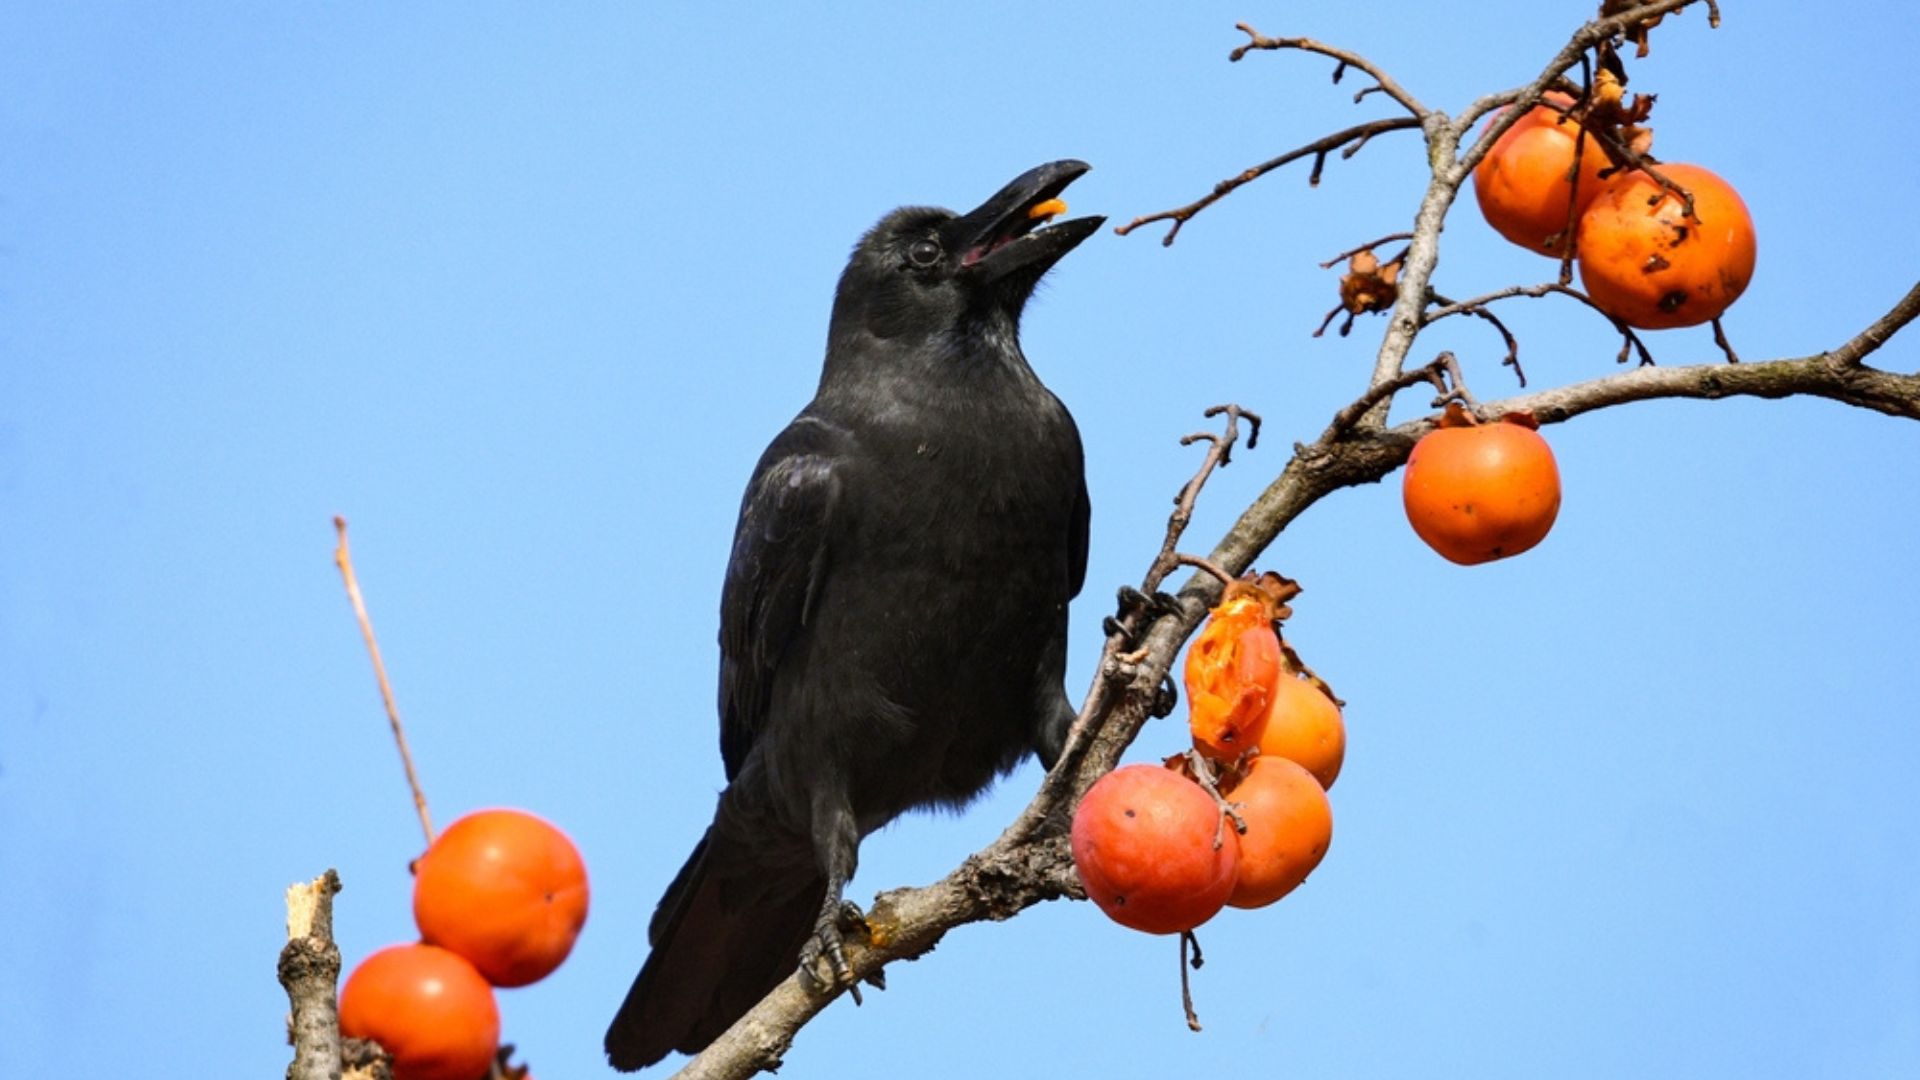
(1477, 305)
(1318, 149)
(1443, 374)
(343, 558)
(1384, 83)
(1368, 246)
(1219, 455)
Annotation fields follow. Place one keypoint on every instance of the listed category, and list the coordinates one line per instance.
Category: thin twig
(1512, 358)
(343, 558)
(1720, 339)
(1369, 246)
(1319, 148)
(1629, 339)
(1443, 374)
(1384, 82)
(1219, 454)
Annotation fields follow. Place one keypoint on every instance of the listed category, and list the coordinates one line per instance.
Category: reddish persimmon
(1478, 492)
(1231, 669)
(1525, 185)
(1646, 262)
(1289, 825)
(427, 1007)
(1304, 726)
(1152, 850)
(504, 889)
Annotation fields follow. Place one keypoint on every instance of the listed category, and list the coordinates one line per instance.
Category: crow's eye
(924, 253)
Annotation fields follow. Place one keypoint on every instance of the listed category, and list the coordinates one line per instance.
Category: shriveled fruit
(1478, 492)
(504, 889)
(1152, 851)
(1231, 669)
(1646, 262)
(1525, 185)
(1305, 726)
(1289, 825)
(427, 1007)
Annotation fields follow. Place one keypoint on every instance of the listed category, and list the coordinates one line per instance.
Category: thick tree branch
(310, 972)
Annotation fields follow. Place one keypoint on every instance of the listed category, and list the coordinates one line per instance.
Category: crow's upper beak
(1005, 235)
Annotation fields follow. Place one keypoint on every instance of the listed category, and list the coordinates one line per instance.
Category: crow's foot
(823, 959)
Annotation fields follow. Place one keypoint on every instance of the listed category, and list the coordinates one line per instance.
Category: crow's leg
(836, 843)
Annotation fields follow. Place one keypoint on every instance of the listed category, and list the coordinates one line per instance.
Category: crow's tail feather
(726, 933)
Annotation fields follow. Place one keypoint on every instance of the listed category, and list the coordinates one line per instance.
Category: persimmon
(1526, 184)
(1647, 262)
(1478, 492)
(1289, 826)
(1304, 725)
(1230, 673)
(504, 889)
(427, 1007)
(1153, 850)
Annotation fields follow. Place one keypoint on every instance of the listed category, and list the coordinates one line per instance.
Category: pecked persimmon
(427, 1007)
(504, 889)
(1304, 725)
(1153, 851)
(1289, 826)
(1647, 262)
(1230, 673)
(1479, 492)
(1526, 185)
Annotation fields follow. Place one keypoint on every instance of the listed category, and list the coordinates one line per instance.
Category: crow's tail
(726, 933)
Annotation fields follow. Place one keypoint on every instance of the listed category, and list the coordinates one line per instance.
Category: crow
(893, 624)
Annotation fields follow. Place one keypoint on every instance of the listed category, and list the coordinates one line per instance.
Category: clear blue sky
(524, 294)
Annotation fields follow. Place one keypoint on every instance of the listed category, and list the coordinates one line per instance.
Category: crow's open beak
(1010, 232)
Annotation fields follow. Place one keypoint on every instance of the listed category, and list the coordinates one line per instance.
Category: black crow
(893, 624)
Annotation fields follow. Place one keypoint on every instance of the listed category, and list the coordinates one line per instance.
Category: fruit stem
(344, 560)
(1186, 987)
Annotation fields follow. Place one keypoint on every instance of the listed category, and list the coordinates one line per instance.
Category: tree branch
(1358, 134)
(1030, 862)
(310, 972)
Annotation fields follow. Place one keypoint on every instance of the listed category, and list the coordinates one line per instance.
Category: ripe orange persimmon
(504, 889)
(1644, 261)
(1478, 492)
(1304, 726)
(427, 1007)
(1525, 184)
(1152, 851)
(1231, 670)
(1289, 825)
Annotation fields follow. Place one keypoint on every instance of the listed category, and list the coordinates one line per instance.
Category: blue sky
(524, 295)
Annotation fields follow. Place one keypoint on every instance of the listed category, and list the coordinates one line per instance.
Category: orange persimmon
(1647, 262)
(1230, 673)
(1153, 851)
(504, 889)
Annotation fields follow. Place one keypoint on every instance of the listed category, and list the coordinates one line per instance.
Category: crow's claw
(1166, 697)
(1138, 612)
(826, 949)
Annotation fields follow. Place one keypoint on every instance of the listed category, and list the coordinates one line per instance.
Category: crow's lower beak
(1006, 233)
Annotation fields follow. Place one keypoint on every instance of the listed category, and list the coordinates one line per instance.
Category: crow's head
(924, 271)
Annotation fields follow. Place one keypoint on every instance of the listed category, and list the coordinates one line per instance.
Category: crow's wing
(780, 557)
(1082, 511)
